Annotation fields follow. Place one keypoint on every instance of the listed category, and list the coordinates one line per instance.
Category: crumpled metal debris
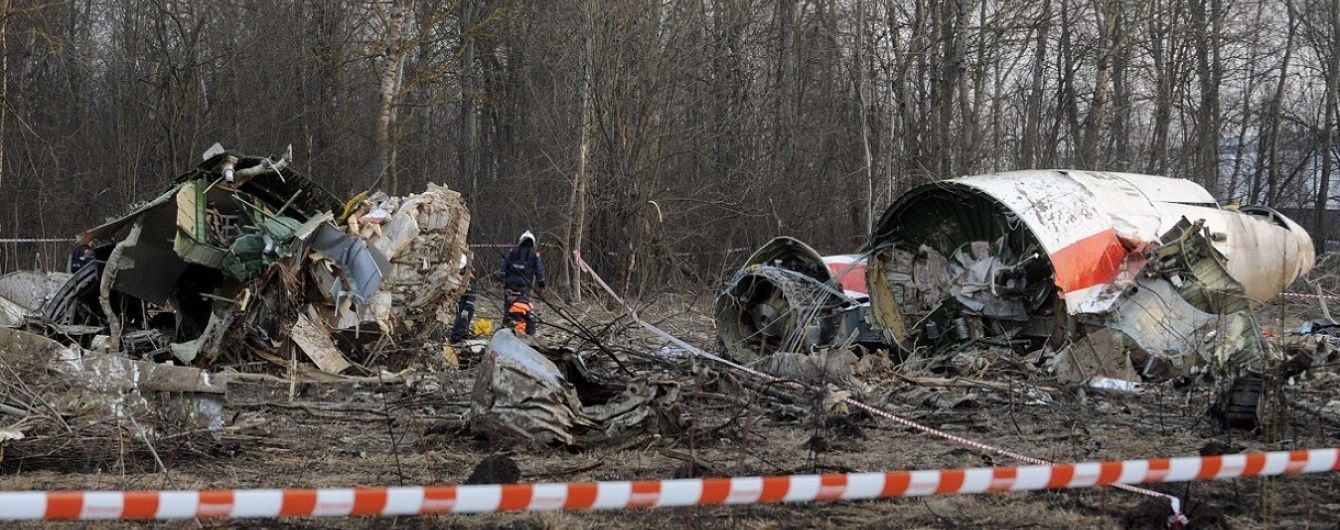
(22, 294)
(834, 367)
(1119, 272)
(787, 297)
(1044, 257)
(244, 256)
(1184, 315)
(109, 383)
(520, 394)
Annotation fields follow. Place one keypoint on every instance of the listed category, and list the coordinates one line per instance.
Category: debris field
(247, 329)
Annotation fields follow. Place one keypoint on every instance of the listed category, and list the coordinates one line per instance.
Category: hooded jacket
(522, 269)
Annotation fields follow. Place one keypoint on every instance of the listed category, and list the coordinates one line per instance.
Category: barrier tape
(618, 495)
(1311, 296)
(72, 240)
(1177, 519)
(41, 240)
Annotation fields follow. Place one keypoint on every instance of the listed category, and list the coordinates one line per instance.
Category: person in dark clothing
(80, 256)
(522, 270)
(465, 307)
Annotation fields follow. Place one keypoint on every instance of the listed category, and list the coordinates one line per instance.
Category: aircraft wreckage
(244, 258)
(789, 298)
(1086, 263)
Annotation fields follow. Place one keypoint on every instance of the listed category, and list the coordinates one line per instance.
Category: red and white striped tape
(618, 495)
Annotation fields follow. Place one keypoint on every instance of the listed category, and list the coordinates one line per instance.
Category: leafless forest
(664, 137)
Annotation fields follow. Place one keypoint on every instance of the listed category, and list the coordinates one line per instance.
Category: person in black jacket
(465, 307)
(80, 256)
(521, 272)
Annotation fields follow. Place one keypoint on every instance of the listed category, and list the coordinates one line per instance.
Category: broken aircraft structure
(1080, 261)
(242, 257)
(1152, 267)
(544, 396)
(788, 298)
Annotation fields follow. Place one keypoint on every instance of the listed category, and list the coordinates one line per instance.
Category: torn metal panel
(149, 254)
(362, 267)
(520, 394)
(849, 271)
(519, 391)
(31, 289)
(787, 297)
(1099, 354)
(110, 229)
(1188, 314)
(12, 315)
(23, 293)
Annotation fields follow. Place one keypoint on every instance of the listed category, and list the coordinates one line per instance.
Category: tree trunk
(1093, 122)
(393, 67)
(1277, 110)
(1121, 93)
(578, 200)
(948, 21)
(1033, 114)
(1162, 46)
(1209, 71)
(4, 87)
(858, 68)
(1328, 145)
(466, 146)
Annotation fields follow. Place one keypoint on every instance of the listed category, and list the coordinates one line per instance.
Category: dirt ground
(336, 435)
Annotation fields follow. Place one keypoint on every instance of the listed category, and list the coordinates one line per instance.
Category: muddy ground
(340, 434)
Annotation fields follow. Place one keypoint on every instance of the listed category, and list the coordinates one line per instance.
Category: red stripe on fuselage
(850, 275)
(1091, 261)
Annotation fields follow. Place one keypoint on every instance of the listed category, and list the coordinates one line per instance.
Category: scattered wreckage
(243, 257)
(1128, 276)
(788, 298)
(1125, 276)
(545, 396)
